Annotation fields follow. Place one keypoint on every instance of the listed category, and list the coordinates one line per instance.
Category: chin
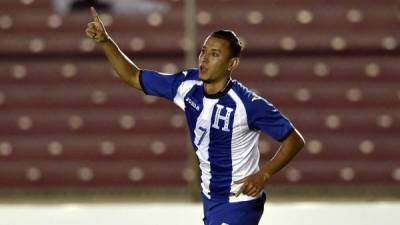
(204, 79)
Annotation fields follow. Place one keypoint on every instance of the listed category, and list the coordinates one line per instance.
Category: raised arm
(125, 68)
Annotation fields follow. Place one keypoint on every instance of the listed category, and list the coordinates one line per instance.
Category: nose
(203, 58)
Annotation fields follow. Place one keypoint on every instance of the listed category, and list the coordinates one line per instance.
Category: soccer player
(225, 120)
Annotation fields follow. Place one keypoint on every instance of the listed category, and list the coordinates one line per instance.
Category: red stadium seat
(75, 71)
(341, 172)
(111, 147)
(329, 146)
(43, 122)
(89, 174)
(26, 5)
(319, 68)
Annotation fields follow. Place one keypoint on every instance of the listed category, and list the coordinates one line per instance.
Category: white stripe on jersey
(203, 125)
(183, 89)
(245, 154)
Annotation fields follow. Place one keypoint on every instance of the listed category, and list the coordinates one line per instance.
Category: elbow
(301, 142)
(131, 77)
(298, 140)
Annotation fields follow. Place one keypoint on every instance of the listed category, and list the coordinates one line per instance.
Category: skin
(216, 65)
(125, 68)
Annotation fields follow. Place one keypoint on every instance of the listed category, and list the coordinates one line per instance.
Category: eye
(215, 54)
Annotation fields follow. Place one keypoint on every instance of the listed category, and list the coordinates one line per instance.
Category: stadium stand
(66, 121)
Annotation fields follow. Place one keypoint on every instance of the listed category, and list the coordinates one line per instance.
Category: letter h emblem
(219, 117)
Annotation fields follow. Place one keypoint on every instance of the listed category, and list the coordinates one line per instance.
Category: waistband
(232, 197)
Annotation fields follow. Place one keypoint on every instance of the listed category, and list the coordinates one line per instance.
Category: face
(215, 61)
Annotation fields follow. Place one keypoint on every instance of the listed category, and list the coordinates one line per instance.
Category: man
(224, 119)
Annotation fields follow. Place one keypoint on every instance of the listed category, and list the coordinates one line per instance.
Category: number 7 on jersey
(204, 132)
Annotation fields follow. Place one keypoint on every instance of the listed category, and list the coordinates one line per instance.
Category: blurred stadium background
(70, 131)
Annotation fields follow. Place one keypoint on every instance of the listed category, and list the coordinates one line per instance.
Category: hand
(95, 29)
(253, 184)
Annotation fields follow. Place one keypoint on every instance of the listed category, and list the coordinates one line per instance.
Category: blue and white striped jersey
(224, 127)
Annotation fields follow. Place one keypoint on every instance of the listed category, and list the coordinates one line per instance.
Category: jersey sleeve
(262, 115)
(161, 84)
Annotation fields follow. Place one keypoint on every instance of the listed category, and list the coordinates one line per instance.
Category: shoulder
(190, 74)
(187, 76)
(247, 96)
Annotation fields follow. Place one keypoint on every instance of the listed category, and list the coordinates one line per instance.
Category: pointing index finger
(95, 16)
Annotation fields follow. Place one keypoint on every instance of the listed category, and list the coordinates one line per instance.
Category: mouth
(203, 69)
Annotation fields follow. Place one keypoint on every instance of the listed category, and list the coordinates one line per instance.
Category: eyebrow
(213, 49)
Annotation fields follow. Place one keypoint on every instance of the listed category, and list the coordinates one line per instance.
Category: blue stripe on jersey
(193, 108)
(220, 155)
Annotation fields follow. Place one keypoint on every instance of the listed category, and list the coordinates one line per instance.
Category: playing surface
(300, 213)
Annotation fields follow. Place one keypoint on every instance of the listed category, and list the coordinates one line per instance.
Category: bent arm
(254, 183)
(125, 68)
(288, 149)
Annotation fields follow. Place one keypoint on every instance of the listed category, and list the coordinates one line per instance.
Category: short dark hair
(235, 44)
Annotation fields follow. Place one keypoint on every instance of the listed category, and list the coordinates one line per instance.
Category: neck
(216, 86)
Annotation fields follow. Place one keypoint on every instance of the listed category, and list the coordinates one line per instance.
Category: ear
(233, 63)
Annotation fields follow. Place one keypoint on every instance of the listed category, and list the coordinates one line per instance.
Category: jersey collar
(220, 93)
